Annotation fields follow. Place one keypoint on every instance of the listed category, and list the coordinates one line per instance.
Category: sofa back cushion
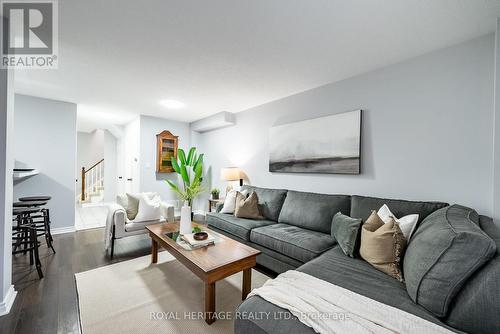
(476, 307)
(270, 200)
(313, 211)
(447, 248)
(362, 207)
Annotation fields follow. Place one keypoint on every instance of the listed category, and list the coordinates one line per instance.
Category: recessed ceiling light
(172, 104)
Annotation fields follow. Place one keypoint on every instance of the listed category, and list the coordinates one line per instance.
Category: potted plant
(215, 193)
(190, 169)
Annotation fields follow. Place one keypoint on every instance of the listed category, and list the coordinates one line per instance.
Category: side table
(213, 202)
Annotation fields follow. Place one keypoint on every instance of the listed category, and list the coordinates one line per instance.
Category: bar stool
(24, 234)
(35, 198)
(39, 201)
(28, 204)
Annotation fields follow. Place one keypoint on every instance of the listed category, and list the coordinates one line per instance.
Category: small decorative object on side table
(215, 193)
(212, 203)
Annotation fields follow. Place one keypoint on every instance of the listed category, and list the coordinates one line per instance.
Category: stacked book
(189, 239)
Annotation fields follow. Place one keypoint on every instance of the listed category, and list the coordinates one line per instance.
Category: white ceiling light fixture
(172, 104)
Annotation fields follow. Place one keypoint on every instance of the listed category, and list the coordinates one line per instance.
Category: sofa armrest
(167, 211)
(119, 218)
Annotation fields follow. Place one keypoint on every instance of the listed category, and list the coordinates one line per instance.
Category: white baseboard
(7, 303)
(61, 230)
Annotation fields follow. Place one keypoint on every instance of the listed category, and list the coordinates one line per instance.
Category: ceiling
(119, 58)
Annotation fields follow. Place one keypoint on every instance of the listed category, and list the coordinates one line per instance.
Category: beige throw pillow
(247, 207)
(382, 245)
(133, 202)
(132, 205)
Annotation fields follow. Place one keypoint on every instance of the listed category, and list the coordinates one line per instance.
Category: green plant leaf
(175, 165)
(199, 161)
(190, 160)
(198, 170)
(175, 188)
(182, 156)
(191, 171)
(195, 158)
(184, 175)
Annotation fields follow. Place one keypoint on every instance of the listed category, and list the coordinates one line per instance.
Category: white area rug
(138, 297)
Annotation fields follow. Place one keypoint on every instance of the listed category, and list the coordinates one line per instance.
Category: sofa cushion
(362, 206)
(313, 211)
(360, 277)
(476, 307)
(270, 200)
(239, 227)
(334, 267)
(444, 252)
(346, 231)
(292, 241)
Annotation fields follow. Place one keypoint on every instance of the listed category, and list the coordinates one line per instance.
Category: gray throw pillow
(345, 230)
(446, 249)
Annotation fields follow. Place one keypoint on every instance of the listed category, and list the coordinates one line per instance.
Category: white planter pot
(185, 224)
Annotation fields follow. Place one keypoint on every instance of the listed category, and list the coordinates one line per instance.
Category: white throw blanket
(328, 308)
(108, 231)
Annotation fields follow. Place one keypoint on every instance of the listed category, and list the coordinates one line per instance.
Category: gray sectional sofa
(295, 234)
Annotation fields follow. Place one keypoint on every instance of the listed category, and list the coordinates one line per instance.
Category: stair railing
(92, 178)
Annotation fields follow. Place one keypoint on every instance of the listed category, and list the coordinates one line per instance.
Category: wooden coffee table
(211, 263)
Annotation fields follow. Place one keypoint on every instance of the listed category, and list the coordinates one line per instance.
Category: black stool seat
(27, 204)
(24, 211)
(35, 198)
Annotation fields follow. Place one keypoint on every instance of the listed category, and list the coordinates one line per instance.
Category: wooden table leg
(209, 302)
(154, 251)
(247, 283)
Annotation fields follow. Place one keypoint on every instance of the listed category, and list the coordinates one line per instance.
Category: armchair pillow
(122, 201)
(132, 202)
(345, 231)
(149, 208)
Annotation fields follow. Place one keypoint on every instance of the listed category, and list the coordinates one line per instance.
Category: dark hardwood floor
(50, 305)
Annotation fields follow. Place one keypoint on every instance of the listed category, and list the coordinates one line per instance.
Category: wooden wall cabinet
(166, 147)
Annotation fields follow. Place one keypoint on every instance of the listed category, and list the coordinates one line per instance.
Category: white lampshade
(230, 174)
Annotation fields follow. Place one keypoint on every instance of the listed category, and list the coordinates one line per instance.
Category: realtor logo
(29, 34)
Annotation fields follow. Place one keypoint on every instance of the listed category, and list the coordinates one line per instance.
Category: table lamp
(231, 174)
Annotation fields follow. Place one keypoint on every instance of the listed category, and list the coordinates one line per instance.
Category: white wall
(45, 139)
(7, 292)
(129, 156)
(110, 166)
(149, 128)
(89, 150)
(427, 130)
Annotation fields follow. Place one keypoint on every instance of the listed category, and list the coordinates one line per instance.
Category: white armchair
(119, 226)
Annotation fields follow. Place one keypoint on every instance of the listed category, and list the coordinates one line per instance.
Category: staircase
(92, 184)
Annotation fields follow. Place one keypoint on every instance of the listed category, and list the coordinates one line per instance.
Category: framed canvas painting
(330, 144)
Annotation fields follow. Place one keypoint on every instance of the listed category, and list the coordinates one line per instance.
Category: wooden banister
(83, 184)
(84, 176)
(94, 165)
